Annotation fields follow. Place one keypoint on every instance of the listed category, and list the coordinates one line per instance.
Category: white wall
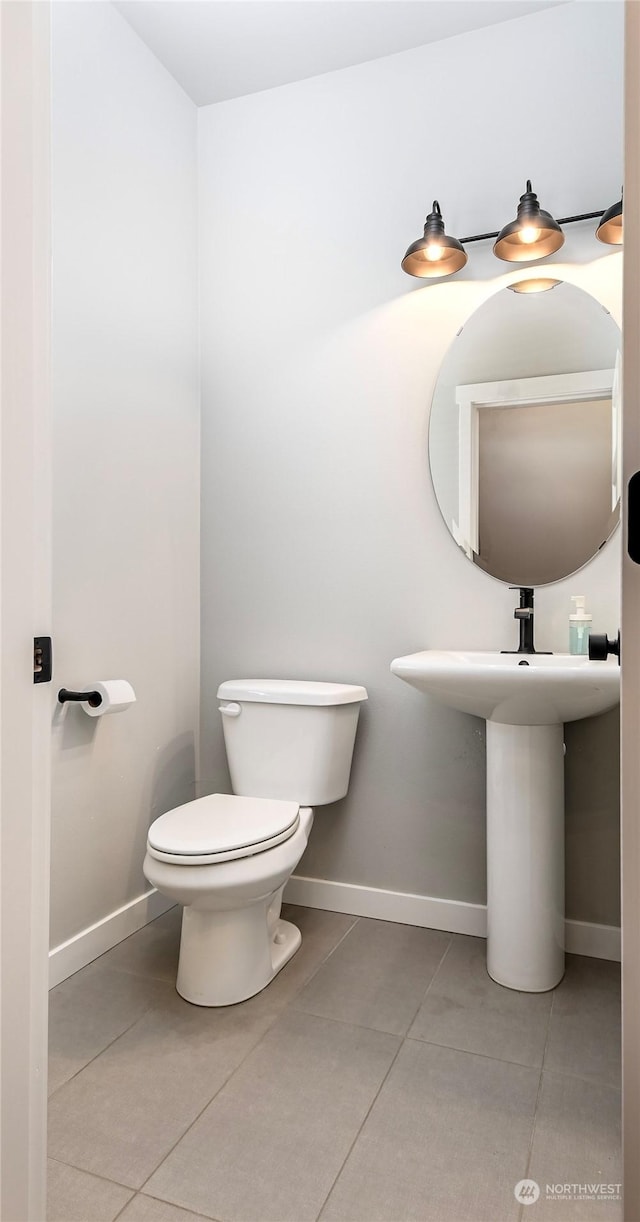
(126, 453)
(324, 554)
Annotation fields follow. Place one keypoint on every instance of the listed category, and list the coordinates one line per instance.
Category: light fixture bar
(562, 220)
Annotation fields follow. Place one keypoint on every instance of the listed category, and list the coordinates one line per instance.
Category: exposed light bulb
(433, 252)
(533, 286)
(528, 234)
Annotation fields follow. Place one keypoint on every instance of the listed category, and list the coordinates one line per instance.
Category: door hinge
(633, 518)
(42, 659)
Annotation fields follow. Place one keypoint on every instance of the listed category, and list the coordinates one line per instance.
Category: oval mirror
(524, 434)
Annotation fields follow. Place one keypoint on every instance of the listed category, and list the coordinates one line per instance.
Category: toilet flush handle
(231, 710)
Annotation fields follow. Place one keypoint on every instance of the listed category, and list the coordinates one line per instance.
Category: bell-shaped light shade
(610, 228)
(434, 254)
(533, 235)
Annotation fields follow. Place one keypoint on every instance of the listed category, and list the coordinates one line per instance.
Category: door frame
(473, 397)
(25, 607)
(630, 690)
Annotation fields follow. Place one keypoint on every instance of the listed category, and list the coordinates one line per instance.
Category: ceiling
(220, 49)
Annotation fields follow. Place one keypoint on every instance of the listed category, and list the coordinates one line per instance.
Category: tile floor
(382, 1077)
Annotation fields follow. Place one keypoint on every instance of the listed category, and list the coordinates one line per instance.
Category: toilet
(226, 857)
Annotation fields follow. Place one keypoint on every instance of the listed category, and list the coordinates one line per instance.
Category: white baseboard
(598, 941)
(87, 945)
(453, 916)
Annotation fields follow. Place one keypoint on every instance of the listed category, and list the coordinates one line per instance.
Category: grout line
(149, 1197)
(82, 1068)
(321, 964)
(576, 1077)
(468, 1052)
(129, 971)
(276, 1018)
(272, 1020)
(349, 1022)
(191, 1213)
(548, 1031)
(125, 1206)
(531, 1141)
(346, 1022)
(364, 1121)
(403, 1040)
(153, 1006)
(355, 921)
(537, 1102)
(96, 1174)
(121, 1211)
(203, 1110)
(115, 967)
(424, 995)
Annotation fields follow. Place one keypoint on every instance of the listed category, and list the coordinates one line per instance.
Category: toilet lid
(221, 827)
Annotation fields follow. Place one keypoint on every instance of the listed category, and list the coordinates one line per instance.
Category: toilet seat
(221, 827)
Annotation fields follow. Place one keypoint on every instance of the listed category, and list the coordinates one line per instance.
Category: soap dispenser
(579, 626)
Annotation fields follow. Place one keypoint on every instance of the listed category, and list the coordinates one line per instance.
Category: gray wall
(126, 454)
(323, 551)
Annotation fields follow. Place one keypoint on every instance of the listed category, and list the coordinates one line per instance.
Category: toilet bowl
(233, 942)
(227, 857)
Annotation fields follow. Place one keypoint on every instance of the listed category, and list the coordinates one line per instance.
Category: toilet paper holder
(103, 696)
(94, 699)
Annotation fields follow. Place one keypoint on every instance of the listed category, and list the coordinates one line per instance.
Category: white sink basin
(525, 707)
(549, 690)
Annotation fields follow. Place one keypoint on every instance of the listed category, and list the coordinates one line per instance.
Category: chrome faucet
(524, 614)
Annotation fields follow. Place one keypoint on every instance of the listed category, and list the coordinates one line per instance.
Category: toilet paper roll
(117, 695)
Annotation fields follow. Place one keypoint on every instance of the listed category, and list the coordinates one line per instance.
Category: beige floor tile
(90, 1010)
(577, 1141)
(149, 1209)
(446, 1141)
(321, 933)
(74, 1196)
(167, 1068)
(464, 1008)
(269, 1147)
(121, 1115)
(377, 977)
(584, 1032)
(152, 951)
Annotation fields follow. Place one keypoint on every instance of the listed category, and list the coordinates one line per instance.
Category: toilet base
(227, 957)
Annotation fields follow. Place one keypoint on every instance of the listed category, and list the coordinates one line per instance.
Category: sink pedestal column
(525, 856)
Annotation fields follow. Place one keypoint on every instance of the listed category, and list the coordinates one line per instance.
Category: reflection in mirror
(524, 434)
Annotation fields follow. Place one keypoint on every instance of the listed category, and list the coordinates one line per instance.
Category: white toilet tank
(289, 739)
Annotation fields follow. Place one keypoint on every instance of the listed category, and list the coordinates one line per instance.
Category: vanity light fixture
(610, 228)
(534, 234)
(435, 253)
(541, 285)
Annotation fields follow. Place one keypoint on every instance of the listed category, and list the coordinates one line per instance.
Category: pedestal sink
(525, 701)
